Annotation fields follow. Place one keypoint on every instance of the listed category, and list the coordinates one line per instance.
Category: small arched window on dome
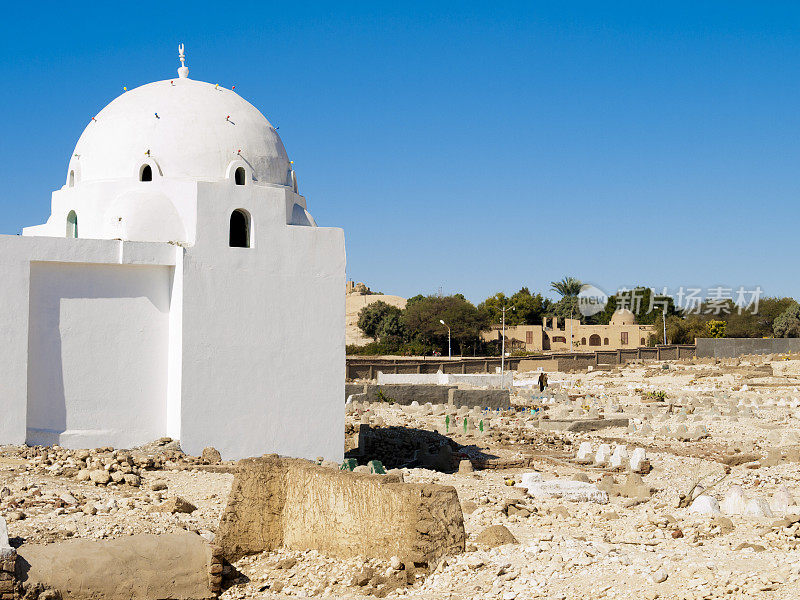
(72, 224)
(239, 236)
(146, 173)
(72, 178)
(239, 176)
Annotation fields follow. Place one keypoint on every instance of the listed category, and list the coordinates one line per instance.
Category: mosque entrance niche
(240, 229)
(146, 174)
(239, 175)
(72, 224)
(594, 340)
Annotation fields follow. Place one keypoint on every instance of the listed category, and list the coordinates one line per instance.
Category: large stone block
(287, 502)
(139, 567)
(485, 398)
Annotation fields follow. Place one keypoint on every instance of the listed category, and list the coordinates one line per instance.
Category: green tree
(422, 321)
(528, 309)
(787, 324)
(682, 330)
(758, 325)
(372, 315)
(566, 308)
(493, 306)
(568, 286)
(392, 329)
(414, 299)
(716, 329)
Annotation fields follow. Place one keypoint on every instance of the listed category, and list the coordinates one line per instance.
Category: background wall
(97, 342)
(732, 347)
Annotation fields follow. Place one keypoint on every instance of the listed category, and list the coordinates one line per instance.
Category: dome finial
(183, 70)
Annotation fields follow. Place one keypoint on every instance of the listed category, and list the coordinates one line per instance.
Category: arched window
(642, 342)
(605, 341)
(240, 229)
(594, 340)
(72, 224)
(72, 179)
(583, 341)
(146, 173)
(239, 176)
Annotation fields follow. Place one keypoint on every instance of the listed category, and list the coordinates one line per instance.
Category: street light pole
(571, 318)
(449, 353)
(503, 347)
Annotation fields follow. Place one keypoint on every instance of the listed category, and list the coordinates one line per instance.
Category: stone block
(485, 398)
(139, 567)
(281, 502)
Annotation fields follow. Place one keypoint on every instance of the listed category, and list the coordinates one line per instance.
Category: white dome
(200, 129)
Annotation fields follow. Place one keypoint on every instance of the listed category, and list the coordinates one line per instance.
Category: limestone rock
(705, 505)
(496, 535)
(211, 455)
(584, 453)
(659, 576)
(177, 505)
(782, 500)
(100, 476)
(465, 466)
(734, 501)
(603, 455)
(575, 491)
(757, 507)
(639, 462)
(620, 458)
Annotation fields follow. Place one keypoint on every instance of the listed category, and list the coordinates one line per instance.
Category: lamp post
(449, 353)
(571, 318)
(503, 347)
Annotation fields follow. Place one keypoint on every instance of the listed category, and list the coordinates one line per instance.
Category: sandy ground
(627, 548)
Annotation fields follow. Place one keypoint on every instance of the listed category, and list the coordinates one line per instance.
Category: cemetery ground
(692, 498)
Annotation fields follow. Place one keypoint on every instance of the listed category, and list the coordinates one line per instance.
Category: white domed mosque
(179, 288)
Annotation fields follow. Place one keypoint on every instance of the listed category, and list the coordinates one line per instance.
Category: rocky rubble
(699, 487)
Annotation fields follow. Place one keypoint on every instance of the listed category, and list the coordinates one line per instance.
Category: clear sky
(465, 147)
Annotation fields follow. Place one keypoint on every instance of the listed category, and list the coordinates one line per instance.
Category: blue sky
(465, 147)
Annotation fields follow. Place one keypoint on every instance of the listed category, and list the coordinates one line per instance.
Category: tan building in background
(622, 332)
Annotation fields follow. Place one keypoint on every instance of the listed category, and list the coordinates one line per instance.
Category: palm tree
(569, 286)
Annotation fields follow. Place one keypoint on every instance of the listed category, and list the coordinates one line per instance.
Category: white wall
(263, 332)
(249, 356)
(16, 255)
(98, 339)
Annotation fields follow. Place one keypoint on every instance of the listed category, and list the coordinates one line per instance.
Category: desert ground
(553, 507)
